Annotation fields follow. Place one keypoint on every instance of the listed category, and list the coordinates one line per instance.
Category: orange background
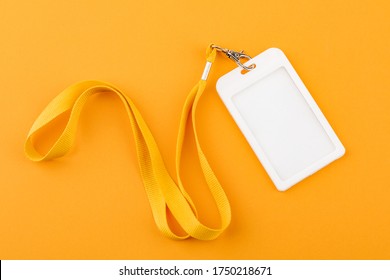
(92, 205)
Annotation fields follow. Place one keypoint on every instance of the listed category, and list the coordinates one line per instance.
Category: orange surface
(91, 204)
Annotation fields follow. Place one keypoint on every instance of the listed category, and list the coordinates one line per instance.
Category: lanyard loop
(160, 188)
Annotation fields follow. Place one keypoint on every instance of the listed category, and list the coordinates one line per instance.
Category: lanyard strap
(160, 188)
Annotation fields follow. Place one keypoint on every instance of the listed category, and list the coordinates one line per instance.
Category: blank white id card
(279, 118)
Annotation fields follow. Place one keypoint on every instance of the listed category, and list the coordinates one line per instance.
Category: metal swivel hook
(235, 56)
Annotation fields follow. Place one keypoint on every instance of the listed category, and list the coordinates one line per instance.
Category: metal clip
(235, 56)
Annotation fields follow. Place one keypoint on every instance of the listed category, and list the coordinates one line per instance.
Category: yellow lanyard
(161, 189)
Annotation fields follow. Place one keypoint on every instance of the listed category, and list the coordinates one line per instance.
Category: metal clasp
(235, 56)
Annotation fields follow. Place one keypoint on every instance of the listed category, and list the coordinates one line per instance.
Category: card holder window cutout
(279, 118)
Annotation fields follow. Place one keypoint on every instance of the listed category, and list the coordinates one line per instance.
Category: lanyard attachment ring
(235, 56)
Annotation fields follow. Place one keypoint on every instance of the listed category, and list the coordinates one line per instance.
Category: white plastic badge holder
(279, 118)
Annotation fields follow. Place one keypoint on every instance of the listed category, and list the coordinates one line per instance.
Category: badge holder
(278, 117)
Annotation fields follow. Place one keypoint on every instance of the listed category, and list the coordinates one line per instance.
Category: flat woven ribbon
(162, 191)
